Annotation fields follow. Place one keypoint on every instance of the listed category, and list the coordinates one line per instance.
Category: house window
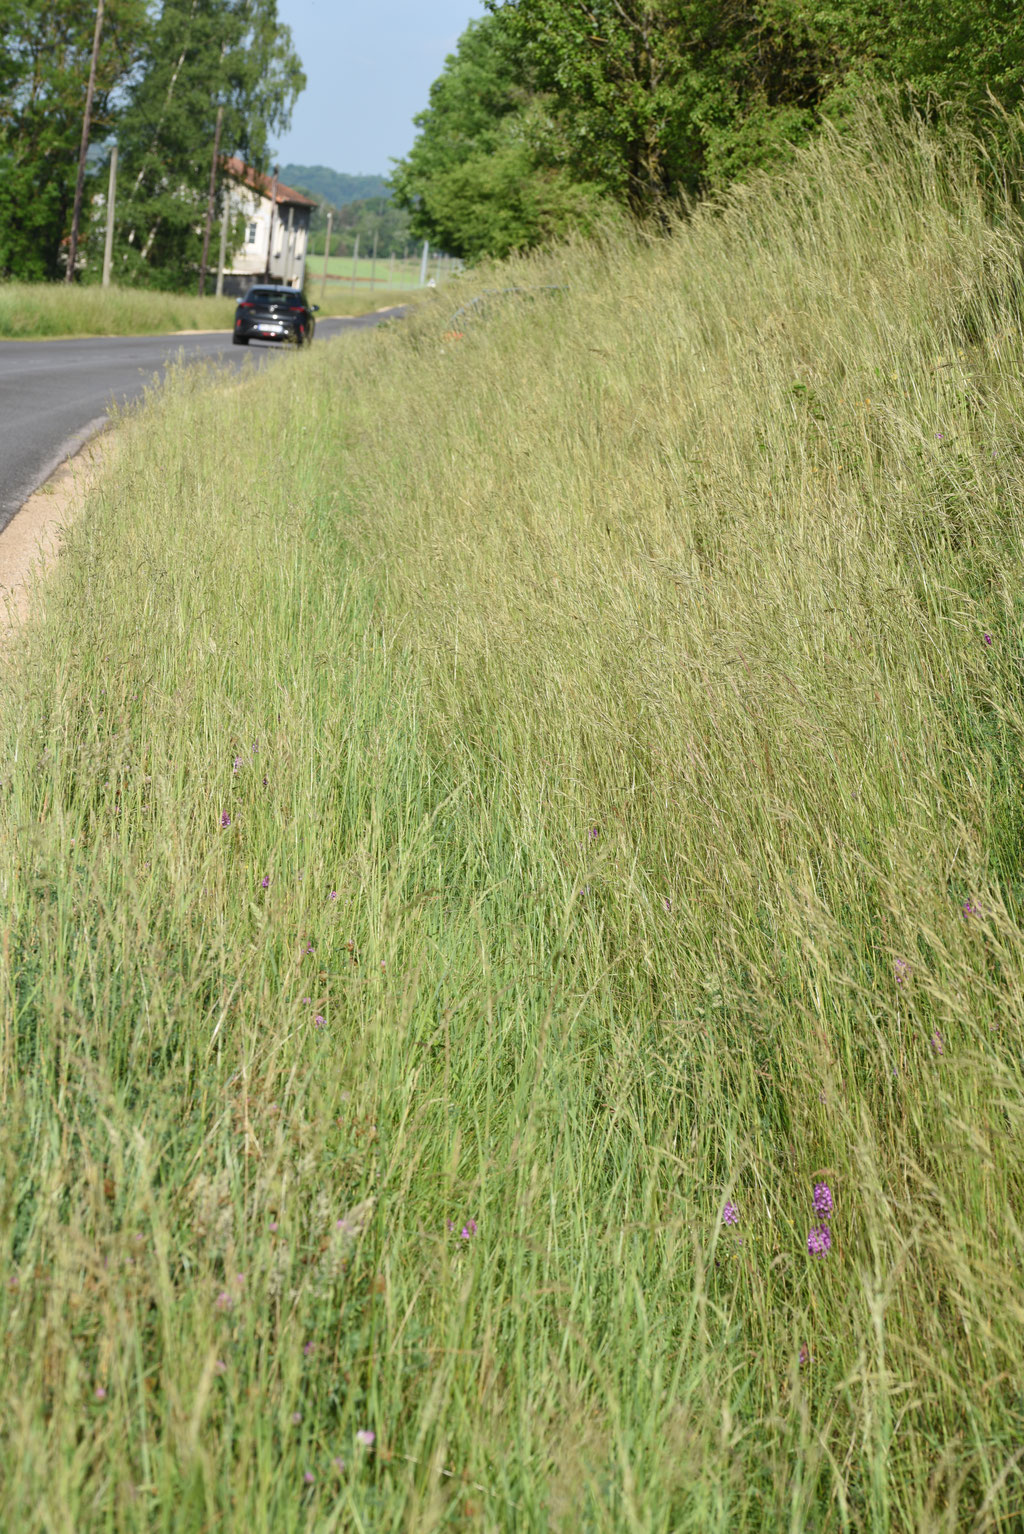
(252, 233)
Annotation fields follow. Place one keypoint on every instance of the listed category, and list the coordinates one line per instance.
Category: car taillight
(246, 306)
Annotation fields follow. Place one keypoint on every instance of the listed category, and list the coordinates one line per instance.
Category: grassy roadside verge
(487, 846)
(37, 311)
(338, 303)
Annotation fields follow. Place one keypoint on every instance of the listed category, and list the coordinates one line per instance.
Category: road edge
(30, 540)
(69, 448)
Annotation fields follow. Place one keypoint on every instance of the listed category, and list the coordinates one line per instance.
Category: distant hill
(335, 187)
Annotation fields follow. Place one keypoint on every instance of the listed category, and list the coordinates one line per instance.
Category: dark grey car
(268, 313)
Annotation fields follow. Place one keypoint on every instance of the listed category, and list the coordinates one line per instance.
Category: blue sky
(369, 69)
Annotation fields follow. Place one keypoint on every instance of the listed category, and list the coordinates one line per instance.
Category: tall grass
(548, 783)
(31, 310)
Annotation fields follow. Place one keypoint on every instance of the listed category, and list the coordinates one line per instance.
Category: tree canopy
(551, 109)
(163, 72)
(44, 66)
(334, 187)
(487, 172)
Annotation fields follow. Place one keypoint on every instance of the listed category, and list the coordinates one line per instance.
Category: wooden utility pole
(327, 257)
(108, 244)
(223, 245)
(289, 246)
(373, 263)
(210, 202)
(355, 263)
(270, 232)
(69, 275)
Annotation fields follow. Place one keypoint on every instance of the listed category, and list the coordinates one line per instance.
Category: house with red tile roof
(276, 229)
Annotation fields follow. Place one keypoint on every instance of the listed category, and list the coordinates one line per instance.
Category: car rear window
(272, 295)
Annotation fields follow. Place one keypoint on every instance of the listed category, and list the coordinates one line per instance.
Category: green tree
(964, 52)
(333, 187)
(487, 172)
(646, 92)
(658, 97)
(200, 55)
(44, 66)
(367, 217)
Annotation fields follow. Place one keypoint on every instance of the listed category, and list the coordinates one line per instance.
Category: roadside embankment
(511, 916)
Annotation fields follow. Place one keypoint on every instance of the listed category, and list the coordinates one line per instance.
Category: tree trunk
(69, 275)
(210, 203)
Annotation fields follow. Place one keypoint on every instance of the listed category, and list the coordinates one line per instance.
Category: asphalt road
(55, 394)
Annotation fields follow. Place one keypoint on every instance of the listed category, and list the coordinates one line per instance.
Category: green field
(338, 300)
(480, 848)
(406, 273)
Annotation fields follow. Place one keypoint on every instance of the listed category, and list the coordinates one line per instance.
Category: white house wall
(291, 232)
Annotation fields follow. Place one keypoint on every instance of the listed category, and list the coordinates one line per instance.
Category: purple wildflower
(937, 1042)
(265, 882)
(225, 819)
(366, 1437)
(224, 1300)
(309, 1477)
(319, 1021)
(900, 967)
(595, 832)
(988, 638)
(805, 1353)
(237, 764)
(819, 1241)
(100, 1393)
(333, 895)
(468, 1230)
(730, 1214)
(822, 1199)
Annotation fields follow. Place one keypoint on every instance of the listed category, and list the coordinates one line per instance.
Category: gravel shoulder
(30, 544)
